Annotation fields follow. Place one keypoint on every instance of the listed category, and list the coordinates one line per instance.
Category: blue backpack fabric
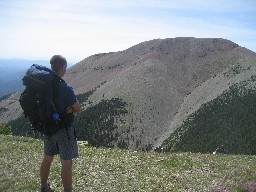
(38, 100)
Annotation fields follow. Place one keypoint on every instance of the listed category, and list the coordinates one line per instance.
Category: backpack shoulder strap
(55, 87)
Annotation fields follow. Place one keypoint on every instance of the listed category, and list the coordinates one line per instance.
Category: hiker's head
(58, 64)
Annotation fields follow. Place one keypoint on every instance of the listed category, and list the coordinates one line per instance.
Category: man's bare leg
(44, 172)
(45, 168)
(66, 174)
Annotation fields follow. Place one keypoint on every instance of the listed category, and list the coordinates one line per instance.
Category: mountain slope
(153, 78)
(140, 96)
(208, 118)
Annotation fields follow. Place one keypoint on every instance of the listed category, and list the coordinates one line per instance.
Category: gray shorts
(63, 142)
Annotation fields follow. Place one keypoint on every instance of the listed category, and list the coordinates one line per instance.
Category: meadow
(112, 170)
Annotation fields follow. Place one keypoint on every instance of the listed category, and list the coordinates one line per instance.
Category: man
(64, 141)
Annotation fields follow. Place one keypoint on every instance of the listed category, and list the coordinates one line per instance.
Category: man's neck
(58, 74)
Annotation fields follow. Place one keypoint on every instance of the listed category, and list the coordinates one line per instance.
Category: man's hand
(74, 108)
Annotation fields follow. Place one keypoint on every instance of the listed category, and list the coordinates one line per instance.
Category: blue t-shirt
(66, 97)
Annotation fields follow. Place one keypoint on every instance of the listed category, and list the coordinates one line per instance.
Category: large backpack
(38, 100)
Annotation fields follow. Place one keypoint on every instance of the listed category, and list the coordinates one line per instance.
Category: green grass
(102, 169)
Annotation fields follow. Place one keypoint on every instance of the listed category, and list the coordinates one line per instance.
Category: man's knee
(48, 159)
(66, 163)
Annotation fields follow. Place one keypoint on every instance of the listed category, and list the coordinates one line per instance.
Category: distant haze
(12, 71)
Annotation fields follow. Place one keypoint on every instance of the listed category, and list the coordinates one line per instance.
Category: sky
(76, 29)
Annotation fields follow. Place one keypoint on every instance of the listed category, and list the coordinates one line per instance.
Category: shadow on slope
(96, 124)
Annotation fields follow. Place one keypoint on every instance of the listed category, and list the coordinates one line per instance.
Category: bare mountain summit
(159, 84)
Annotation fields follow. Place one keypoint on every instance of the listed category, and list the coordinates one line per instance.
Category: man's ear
(63, 68)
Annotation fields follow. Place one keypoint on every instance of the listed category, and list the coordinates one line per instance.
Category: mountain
(149, 96)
